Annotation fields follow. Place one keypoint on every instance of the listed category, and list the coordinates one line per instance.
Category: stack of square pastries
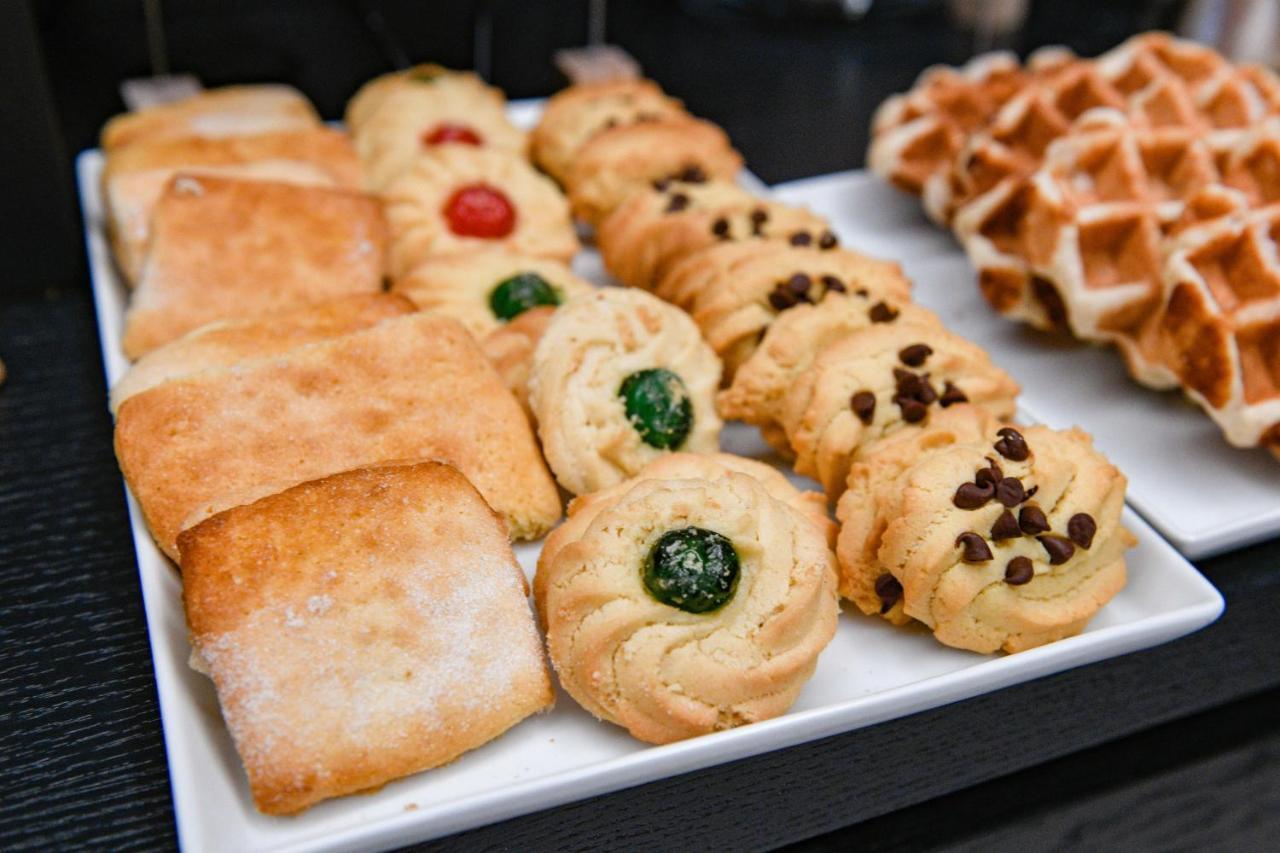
(297, 441)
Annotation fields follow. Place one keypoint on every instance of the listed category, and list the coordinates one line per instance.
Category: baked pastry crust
(574, 115)
(595, 343)
(410, 387)
(460, 285)
(414, 204)
(901, 519)
(360, 628)
(617, 161)
(671, 219)
(663, 673)
(790, 344)
(819, 416)
(228, 342)
(135, 177)
(215, 113)
(730, 289)
(389, 116)
(223, 248)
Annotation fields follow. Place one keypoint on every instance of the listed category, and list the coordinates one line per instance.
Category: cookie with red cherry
(459, 198)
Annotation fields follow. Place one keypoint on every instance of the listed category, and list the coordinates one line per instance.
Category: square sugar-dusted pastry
(214, 114)
(410, 387)
(361, 628)
(223, 248)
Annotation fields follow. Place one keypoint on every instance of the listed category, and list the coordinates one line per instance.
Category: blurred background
(794, 82)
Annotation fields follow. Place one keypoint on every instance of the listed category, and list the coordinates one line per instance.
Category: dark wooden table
(1175, 747)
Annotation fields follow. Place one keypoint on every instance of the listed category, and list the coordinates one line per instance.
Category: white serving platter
(870, 673)
(1204, 495)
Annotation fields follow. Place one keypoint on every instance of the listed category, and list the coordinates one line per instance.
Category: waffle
(1218, 327)
(1157, 82)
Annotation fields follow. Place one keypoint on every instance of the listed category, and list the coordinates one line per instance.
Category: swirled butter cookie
(510, 348)
(1009, 542)
(620, 160)
(790, 344)
(679, 607)
(574, 115)
(672, 218)
(619, 378)
(486, 290)
(395, 117)
(886, 377)
(457, 198)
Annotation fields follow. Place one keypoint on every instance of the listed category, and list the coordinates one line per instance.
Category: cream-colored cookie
(485, 290)
(735, 291)
(411, 387)
(1008, 542)
(681, 607)
(672, 218)
(214, 114)
(360, 628)
(510, 348)
(790, 344)
(616, 162)
(574, 115)
(457, 198)
(395, 117)
(886, 377)
(619, 378)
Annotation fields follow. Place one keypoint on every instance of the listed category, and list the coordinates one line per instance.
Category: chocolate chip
(1031, 492)
(759, 216)
(991, 474)
(720, 227)
(1012, 445)
(863, 404)
(1009, 491)
(833, 284)
(799, 284)
(882, 313)
(906, 381)
(1019, 571)
(915, 355)
(1059, 549)
(1081, 529)
(782, 298)
(924, 391)
(827, 240)
(693, 175)
(889, 591)
(1006, 527)
(913, 411)
(678, 202)
(661, 184)
(972, 496)
(952, 395)
(975, 548)
(801, 238)
(1031, 521)
(863, 292)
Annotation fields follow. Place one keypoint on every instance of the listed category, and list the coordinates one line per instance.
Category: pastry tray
(871, 672)
(1204, 495)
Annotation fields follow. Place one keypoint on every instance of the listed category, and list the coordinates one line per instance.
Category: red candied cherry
(446, 132)
(478, 210)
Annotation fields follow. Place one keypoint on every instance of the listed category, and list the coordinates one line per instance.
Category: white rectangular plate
(871, 672)
(1204, 495)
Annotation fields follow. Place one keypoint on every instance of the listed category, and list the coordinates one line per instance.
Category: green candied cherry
(426, 75)
(513, 296)
(693, 569)
(658, 406)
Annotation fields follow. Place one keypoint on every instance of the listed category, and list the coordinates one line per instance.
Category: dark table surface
(1171, 748)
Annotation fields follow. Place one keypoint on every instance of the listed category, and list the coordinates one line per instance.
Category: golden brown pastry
(411, 387)
(215, 113)
(360, 628)
(223, 249)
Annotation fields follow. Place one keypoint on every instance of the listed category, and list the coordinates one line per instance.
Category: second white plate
(1203, 494)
